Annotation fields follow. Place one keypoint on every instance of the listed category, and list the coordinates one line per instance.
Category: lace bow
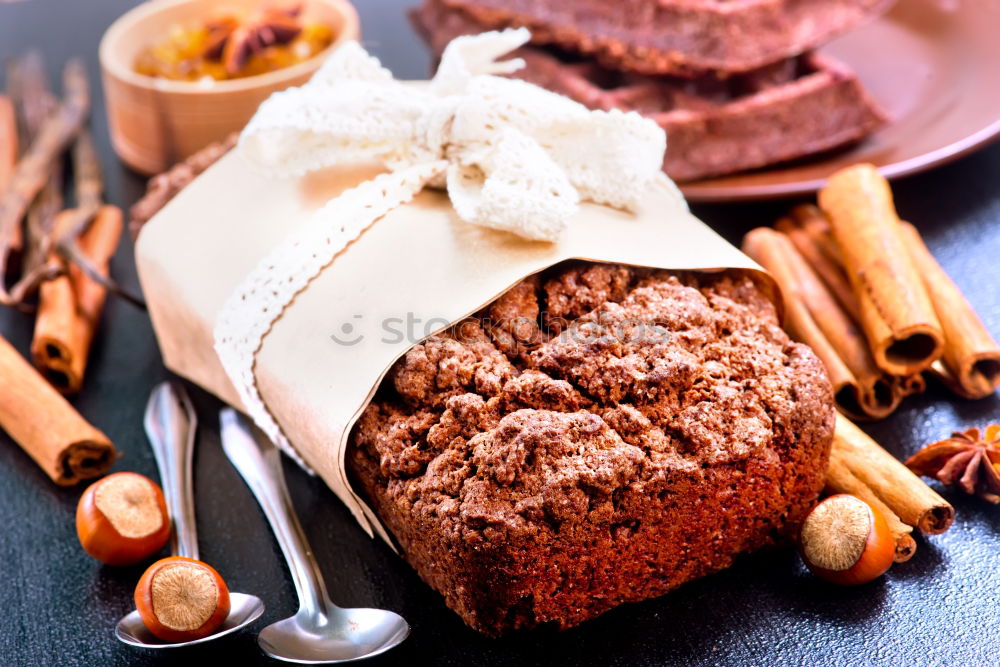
(513, 157)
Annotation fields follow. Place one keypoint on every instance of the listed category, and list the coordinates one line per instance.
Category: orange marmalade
(233, 48)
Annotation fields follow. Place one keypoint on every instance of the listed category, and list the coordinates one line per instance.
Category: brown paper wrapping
(419, 262)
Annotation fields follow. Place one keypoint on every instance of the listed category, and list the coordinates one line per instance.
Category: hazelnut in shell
(180, 599)
(122, 519)
(845, 541)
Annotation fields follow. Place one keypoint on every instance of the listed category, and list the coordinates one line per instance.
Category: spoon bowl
(244, 610)
(348, 634)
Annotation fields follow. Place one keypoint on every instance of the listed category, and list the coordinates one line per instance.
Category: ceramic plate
(933, 65)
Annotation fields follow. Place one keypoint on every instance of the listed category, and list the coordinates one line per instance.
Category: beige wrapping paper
(419, 263)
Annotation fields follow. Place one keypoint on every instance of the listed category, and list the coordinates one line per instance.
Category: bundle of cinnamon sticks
(865, 293)
(54, 261)
(862, 289)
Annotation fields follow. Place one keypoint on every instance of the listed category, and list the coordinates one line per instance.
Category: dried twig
(41, 221)
(34, 101)
(163, 187)
(29, 86)
(88, 184)
(72, 254)
(35, 167)
(89, 188)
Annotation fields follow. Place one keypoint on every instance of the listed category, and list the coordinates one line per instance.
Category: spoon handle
(171, 425)
(259, 463)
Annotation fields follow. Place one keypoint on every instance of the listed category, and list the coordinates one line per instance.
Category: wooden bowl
(156, 122)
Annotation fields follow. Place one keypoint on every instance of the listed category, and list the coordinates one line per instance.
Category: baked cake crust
(598, 435)
(678, 37)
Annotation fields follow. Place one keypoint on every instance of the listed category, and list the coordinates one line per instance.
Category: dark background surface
(59, 607)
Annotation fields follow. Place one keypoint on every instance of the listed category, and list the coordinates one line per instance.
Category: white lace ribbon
(513, 157)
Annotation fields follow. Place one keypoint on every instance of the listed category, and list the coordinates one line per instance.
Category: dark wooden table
(59, 607)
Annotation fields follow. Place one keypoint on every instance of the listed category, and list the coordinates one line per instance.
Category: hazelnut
(845, 541)
(180, 599)
(122, 519)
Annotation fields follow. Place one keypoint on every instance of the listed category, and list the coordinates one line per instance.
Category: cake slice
(796, 108)
(715, 125)
(679, 37)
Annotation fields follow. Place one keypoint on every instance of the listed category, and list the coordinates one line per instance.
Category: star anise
(234, 41)
(965, 459)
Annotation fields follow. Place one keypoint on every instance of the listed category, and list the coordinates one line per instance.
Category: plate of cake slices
(764, 98)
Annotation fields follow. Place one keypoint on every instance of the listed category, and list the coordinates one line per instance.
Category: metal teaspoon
(321, 632)
(171, 425)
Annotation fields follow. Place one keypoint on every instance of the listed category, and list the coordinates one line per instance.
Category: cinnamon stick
(33, 169)
(70, 306)
(895, 311)
(54, 434)
(809, 232)
(913, 384)
(8, 142)
(814, 317)
(840, 479)
(971, 356)
(855, 456)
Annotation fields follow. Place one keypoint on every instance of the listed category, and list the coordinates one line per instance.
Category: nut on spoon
(171, 425)
(321, 632)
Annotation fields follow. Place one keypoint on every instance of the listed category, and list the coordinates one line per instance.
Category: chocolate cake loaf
(598, 435)
(794, 108)
(679, 37)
